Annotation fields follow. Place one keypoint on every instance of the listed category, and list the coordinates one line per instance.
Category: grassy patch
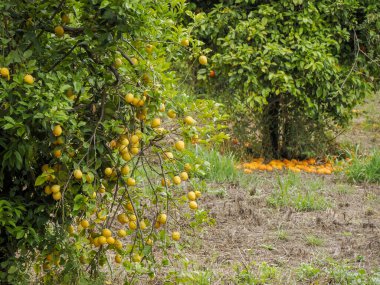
(344, 189)
(307, 272)
(365, 169)
(282, 235)
(261, 273)
(291, 191)
(312, 240)
(220, 168)
(333, 272)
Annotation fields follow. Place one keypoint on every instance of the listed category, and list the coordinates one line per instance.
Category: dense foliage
(291, 69)
(93, 137)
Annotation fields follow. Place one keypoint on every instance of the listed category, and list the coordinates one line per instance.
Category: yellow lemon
(176, 236)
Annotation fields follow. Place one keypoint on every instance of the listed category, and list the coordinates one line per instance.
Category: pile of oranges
(308, 165)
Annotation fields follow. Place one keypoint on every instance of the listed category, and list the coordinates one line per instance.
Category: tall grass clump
(365, 169)
(218, 167)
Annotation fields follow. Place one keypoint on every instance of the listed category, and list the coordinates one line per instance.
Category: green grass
(344, 189)
(365, 169)
(334, 272)
(219, 168)
(312, 240)
(282, 235)
(291, 191)
(307, 272)
(261, 273)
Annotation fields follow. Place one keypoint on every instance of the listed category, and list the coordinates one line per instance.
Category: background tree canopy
(291, 69)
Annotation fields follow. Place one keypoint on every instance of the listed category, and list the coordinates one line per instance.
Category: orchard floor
(320, 229)
(253, 242)
(249, 233)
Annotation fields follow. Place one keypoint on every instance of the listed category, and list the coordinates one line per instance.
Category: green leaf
(40, 180)
(12, 269)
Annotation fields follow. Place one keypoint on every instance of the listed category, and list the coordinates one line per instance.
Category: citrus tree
(93, 145)
(290, 70)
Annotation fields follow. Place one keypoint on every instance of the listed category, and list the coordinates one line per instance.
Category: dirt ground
(248, 231)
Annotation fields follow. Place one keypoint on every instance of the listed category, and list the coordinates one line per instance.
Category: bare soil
(247, 231)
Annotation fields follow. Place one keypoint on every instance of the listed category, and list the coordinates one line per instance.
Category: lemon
(118, 258)
(156, 123)
(176, 180)
(59, 31)
(78, 174)
(193, 205)
(203, 60)
(162, 218)
(191, 196)
(184, 176)
(28, 79)
(176, 236)
(108, 171)
(106, 233)
(57, 196)
(179, 145)
(185, 42)
(85, 224)
(55, 188)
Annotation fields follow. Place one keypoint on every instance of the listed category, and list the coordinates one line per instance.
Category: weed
(312, 240)
(343, 189)
(199, 277)
(307, 272)
(268, 247)
(336, 272)
(309, 201)
(257, 274)
(282, 235)
(365, 169)
(303, 197)
(221, 168)
(342, 273)
(219, 192)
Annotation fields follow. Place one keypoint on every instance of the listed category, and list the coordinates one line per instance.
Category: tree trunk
(271, 122)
